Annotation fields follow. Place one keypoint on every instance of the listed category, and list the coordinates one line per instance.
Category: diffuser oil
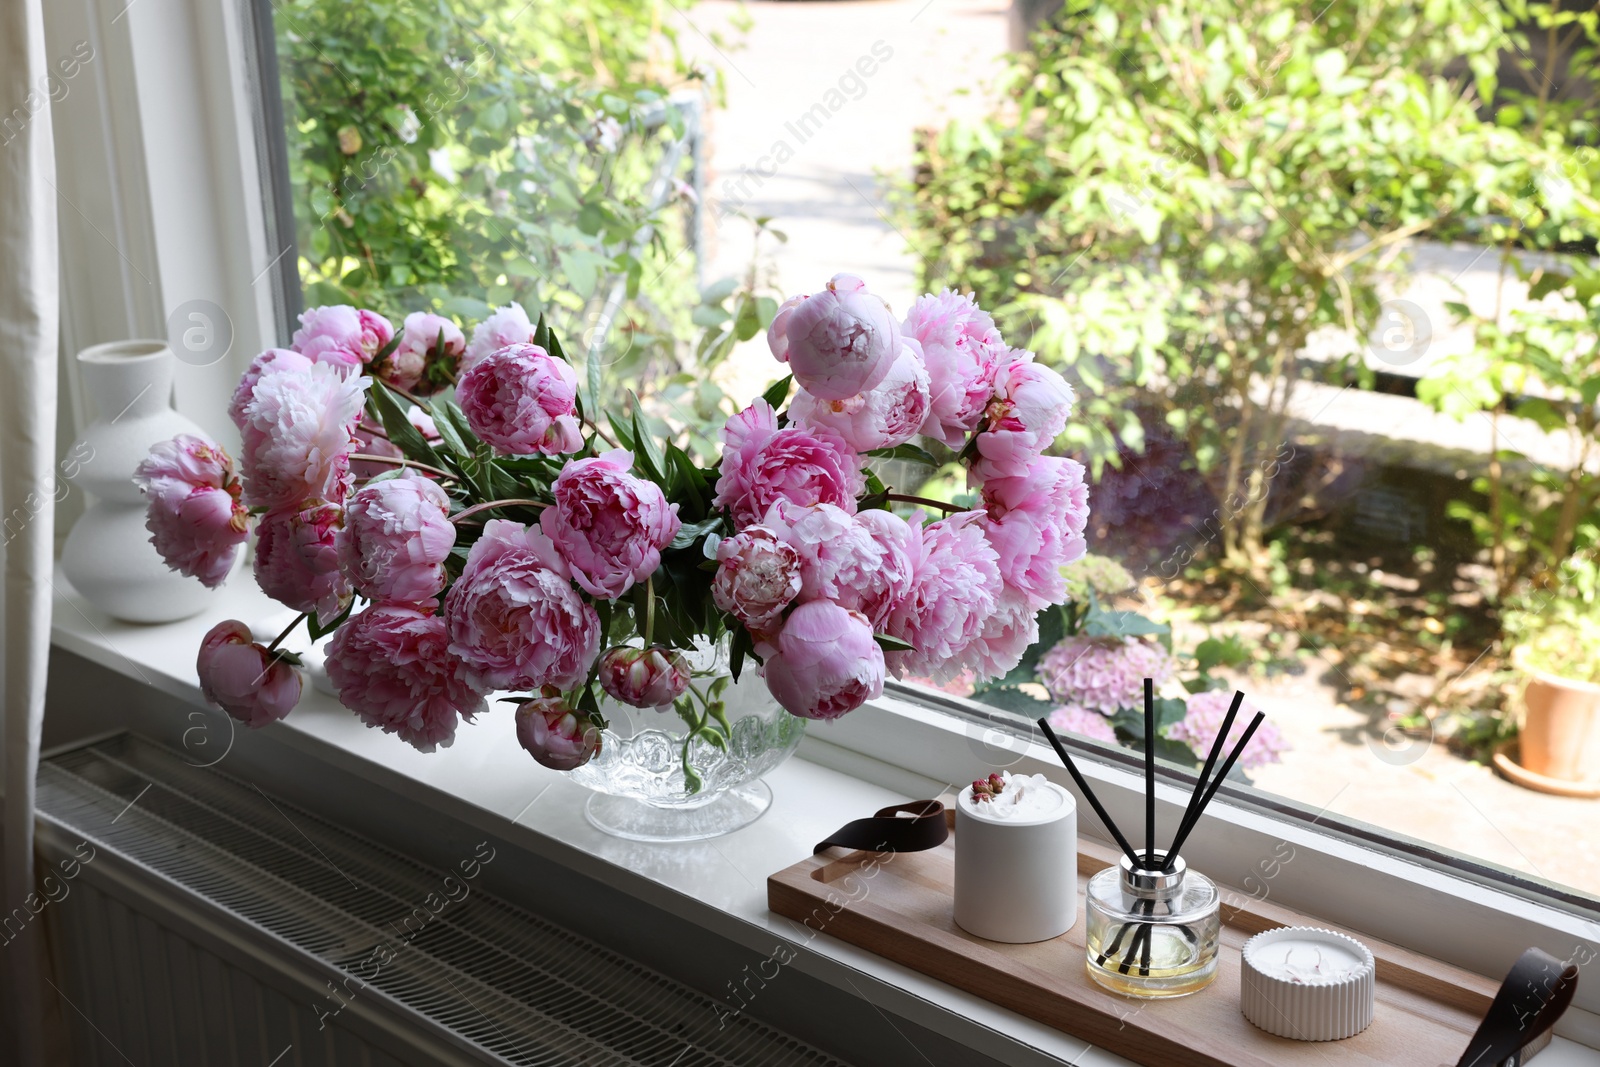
(1152, 932)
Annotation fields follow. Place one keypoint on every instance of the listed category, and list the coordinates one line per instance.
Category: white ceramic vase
(108, 556)
(1017, 877)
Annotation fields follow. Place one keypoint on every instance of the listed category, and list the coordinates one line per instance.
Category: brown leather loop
(1534, 995)
(915, 826)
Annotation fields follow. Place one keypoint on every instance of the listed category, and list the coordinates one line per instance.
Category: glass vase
(641, 791)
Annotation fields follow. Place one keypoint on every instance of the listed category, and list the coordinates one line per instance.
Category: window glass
(1320, 276)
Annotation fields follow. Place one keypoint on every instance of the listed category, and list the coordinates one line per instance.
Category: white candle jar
(1017, 862)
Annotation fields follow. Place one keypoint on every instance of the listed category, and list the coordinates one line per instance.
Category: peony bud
(555, 735)
(244, 679)
(644, 677)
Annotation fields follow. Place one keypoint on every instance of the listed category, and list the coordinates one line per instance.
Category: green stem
(399, 461)
(287, 630)
(512, 503)
(925, 502)
(649, 611)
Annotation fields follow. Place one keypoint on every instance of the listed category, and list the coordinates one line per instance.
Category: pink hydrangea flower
(392, 665)
(762, 464)
(826, 662)
(193, 513)
(299, 433)
(1199, 728)
(1029, 410)
(297, 561)
(515, 618)
(961, 349)
(509, 325)
(341, 335)
(955, 587)
(243, 678)
(407, 365)
(1008, 632)
(1035, 522)
(522, 401)
(858, 563)
(1075, 719)
(651, 677)
(555, 735)
(758, 575)
(839, 342)
(272, 360)
(889, 414)
(608, 525)
(1104, 674)
(397, 535)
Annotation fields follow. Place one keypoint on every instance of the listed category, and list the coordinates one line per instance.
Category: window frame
(185, 89)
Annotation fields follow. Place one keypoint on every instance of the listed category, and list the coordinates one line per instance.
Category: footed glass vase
(641, 791)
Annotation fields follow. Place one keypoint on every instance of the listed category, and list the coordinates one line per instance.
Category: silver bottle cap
(1152, 883)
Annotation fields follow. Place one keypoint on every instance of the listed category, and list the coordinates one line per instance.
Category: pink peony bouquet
(465, 519)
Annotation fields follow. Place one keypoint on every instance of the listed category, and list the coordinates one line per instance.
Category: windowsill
(719, 885)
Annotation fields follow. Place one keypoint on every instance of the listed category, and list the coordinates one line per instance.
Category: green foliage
(458, 155)
(1558, 630)
(1180, 194)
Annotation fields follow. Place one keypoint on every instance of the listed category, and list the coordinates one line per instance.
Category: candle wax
(1025, 797)
(1306, 960)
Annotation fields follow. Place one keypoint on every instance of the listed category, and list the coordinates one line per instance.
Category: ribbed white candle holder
(1308, 984)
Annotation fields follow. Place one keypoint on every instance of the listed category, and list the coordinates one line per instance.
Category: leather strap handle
(1533, 996)
(915, 826)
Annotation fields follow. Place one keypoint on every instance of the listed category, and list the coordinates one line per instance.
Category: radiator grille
(508, 983)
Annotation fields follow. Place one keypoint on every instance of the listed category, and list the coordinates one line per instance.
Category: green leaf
(778, 392)
(747, 321)
(893, 644)
(1103, 623)
(451, 422)
(690, 477)
(906, 451)
(404, 436)
(1010, 698)
(318, 629)
(741, 646)
(648, 450)
(690, 532)
(622, 430)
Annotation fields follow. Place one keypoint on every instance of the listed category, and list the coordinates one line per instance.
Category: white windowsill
(720, 884)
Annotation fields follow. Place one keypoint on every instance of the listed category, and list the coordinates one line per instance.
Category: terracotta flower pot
(1561, 728)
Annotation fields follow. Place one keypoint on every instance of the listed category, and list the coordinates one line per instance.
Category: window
(1351, 567)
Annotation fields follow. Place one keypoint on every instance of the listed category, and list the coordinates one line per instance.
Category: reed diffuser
(1152, 924)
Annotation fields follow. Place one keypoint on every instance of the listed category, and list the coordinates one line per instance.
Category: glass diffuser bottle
(1152, 924)
(1152, 932)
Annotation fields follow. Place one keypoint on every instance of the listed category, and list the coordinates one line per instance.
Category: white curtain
(29, 298)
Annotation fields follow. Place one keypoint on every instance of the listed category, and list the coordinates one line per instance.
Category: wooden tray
(899, 906)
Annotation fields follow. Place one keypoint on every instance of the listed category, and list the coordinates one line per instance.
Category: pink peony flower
(522, 401)
(758, 575)
(408, 366)
(826, 662)
(514, 617)
(341, 335)
(397, 535)
(297, 561)
(507, 326)
(1008, 632)
(889, 414)
(651, 677)
(1199, 728)
(392, 665)
(555, 735)
(1085, 723)
(193, 515)
(839, 342)
(762, 464)
(961, 349)
(299, 432)
(1104, 674)
(1035, 522)
(243, 678)
(1029, 410)
(955, 586)
(273, 360)
(856, 562)
(608, 525)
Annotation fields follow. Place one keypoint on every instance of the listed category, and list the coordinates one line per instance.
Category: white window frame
(160, 154)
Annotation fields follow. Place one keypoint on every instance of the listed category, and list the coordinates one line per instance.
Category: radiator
(196, 920)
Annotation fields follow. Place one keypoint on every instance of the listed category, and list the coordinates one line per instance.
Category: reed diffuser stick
(1190, 810)
(1149, 772)
(1211, 790)
(1083, 786)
